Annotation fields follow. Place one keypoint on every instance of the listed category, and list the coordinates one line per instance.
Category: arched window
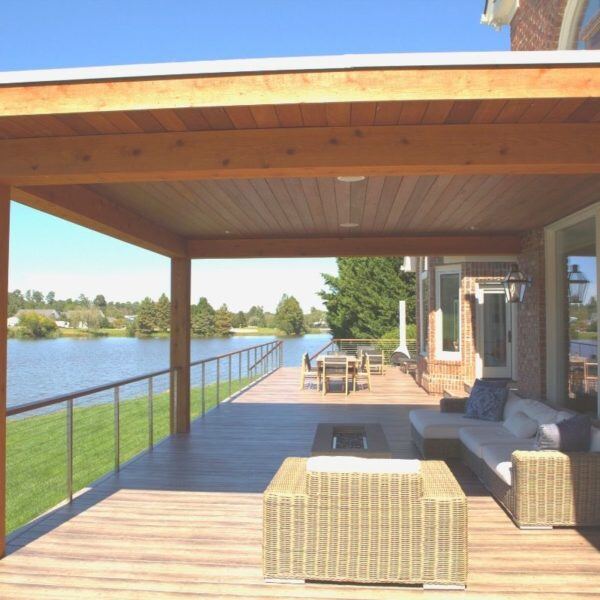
(581, 25)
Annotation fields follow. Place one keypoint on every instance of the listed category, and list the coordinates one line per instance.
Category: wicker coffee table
(365, 440)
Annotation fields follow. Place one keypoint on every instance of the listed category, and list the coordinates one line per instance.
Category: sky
(50, 254)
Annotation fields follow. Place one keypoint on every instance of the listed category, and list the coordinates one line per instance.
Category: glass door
(495, 333)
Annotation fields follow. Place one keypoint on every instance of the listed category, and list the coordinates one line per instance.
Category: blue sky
(47, 253)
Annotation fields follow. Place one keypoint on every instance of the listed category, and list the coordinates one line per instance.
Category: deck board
(186, 518)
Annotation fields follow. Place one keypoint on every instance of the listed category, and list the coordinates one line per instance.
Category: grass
(37, 455)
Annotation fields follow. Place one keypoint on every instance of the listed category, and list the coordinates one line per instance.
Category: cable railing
(386, 346)
(60, 445)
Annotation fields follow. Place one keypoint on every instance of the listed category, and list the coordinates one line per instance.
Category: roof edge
(303, 63)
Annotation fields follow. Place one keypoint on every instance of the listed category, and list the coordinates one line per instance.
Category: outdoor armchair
(350, 525)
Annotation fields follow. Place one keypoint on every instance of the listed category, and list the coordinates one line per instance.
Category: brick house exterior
(535, 25)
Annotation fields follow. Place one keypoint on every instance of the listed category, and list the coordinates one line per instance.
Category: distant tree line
(149, 317)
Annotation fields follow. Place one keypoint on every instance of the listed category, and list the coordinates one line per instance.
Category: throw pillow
(575, 434)
(486, 400)
(595, 445)
(570, 435)
(520, 425)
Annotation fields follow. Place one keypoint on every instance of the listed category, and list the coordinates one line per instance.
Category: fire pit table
(338, 439)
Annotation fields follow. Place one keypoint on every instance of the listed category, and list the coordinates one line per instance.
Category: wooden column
(4, 232)
(181, 275)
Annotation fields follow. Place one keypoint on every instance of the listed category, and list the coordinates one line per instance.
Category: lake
(42, 368)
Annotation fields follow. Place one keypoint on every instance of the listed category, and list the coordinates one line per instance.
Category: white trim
(499, 13)
(511, 317)
(555, 377)
(304, 63)
(439, 353)
(423, 275)
(567, 39)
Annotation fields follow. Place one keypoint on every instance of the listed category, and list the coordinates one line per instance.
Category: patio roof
(461, 152)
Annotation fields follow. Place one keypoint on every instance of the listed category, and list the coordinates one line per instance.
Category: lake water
(42, 368)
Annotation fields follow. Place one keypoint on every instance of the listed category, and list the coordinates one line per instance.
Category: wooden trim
(355, 246)
(181, 276)
(4, 243)
(88, 208)
(304, 152)
(319, 86)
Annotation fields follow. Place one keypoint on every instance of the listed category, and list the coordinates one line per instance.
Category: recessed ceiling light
(227, 231)
(350, 178)
(349, 225)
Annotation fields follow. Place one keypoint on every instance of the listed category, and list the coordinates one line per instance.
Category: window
(423, 305)
(448, 313)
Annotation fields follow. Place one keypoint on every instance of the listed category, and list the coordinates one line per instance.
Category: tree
(33, 325)
(50, 298)
(146, 318)
(314, 318)
(223, 321)
(83, 300)
(163, 313)
(15, 302)
(203, 318)
(362, 300)
(289, 317)
(256, 317)
(239, 319)
(100, 302)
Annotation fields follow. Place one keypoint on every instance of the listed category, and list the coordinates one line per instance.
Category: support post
(4, 233)
(181, 275)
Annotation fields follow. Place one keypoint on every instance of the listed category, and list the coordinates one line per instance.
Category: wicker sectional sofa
(539, 489)
(349, 525)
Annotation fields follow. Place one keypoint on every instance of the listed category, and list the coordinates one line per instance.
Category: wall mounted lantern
(578, 284)
(515, 284)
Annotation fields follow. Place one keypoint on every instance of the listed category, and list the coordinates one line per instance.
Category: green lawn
(37, 455)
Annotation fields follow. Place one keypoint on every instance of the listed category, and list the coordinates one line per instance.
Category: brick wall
(536, 25)
(532, 318)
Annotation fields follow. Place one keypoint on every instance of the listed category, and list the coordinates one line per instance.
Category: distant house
(43, 312)
(12, 321)
(62, 324)
(129, 318)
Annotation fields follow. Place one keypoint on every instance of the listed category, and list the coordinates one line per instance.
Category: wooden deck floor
(185, 519)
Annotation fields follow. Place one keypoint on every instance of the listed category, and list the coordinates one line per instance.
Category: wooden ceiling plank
(538, 110)
(453, 188)
(313, 115)
(296, 194)
(437, 112)
(462, 112)
(241, 117)
(354, 246)
(255, 214)
(289, 115)
(470, 203)
(513, 110)
(258, 203)
(264, 191)
(123, 122)
(410, 186)
(469, 187)
(217, 118)
(293, 87)
(487, 112)
(146, 121)
(564, 108)
(363, 113)
(169, 119)
(85, 207)
(330, 206)
(409, 150)
(338, 114)
(265, 116)
(420, 204)
(358, 198)
(372, 200)
(391, 186)
(313, 199)
(387, 113)
(586, 112)
(412, 113)
(193, 119)
(281, 195)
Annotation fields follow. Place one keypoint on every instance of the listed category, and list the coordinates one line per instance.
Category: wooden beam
(4, 237)
(357, 246)
(181, 275)
(310, 151)
(88, 208)
(319, 86)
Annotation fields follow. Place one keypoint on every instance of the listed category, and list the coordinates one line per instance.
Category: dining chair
(335, 368)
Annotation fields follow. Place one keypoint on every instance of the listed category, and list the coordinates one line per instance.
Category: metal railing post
(218, 381)
(150, 413)
(239, 371)
(229, 376)
(117, 430)
(281, 354)
(70, 450)
(203, 389)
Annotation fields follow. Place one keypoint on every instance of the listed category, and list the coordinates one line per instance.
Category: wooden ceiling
(172, 163)
(318, 207)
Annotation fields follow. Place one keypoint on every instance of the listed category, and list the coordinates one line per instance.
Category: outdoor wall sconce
(578, 284)
(515, 284)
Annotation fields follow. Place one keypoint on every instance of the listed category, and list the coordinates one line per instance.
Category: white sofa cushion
(521, 426)
(540, 412)
(434, 424)
(475, 438)
(354, 464)
(513, 405)
(499, 457)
